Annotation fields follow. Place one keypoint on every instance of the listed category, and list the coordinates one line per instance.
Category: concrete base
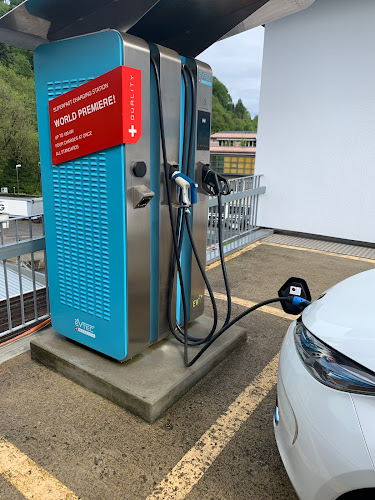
(146, 385)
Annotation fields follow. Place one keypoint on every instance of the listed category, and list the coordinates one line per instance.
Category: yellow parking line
(323, 252)
(28, 477)
(249, 303)
(234, 255)
(189, 470)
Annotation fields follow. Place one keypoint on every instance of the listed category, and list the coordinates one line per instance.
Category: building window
(239, 165)
(217, 163)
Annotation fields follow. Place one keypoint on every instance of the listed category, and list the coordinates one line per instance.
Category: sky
(237, 62)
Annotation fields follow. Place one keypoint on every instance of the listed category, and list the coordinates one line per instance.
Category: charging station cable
(177, 235)
(187, 340)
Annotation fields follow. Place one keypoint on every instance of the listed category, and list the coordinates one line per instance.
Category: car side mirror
(294, 287)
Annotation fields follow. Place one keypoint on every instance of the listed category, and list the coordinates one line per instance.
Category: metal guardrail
(239, 216)
(23, 274)
(23, 267)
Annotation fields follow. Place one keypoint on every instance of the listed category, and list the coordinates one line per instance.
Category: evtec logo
(204, 77)
(85, 328)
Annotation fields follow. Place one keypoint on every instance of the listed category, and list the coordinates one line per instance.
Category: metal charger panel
(169, 64)
(136, 54)
(203, 82)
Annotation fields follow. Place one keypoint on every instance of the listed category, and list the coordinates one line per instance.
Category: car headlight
(330, 367)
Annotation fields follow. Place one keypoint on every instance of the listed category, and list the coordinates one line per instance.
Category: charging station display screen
(97, 115)
(203, 130)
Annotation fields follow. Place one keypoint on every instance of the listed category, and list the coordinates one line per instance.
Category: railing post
(240, 210)
(21, 284)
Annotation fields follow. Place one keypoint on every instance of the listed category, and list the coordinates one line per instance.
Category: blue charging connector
(300, 302)
(185, 183)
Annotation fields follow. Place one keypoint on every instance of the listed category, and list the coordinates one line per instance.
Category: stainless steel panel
(141, 196)
(137, 55)
(200, 210)
(170, 82)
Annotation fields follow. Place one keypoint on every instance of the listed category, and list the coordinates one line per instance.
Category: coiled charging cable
(177, 237)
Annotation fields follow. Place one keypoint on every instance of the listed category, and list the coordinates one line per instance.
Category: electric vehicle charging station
(108, 237)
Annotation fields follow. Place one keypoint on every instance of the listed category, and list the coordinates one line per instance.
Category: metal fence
(239, 216)
(23, 274)
(23, 267)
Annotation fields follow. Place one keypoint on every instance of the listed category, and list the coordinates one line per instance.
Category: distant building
(233, 153)
(22, 206)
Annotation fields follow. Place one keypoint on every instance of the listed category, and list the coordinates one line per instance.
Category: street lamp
(18, 184)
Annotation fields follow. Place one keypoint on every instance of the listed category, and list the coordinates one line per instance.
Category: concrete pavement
(99, 451)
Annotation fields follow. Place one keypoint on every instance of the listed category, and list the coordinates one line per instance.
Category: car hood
(344, 318)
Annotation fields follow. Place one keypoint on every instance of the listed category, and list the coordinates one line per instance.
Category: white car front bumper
(318, 435)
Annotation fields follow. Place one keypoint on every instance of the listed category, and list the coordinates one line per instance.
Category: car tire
(365, 494)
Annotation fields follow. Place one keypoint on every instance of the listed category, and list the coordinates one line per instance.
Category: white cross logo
(132, 131)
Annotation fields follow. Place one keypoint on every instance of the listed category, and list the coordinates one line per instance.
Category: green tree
(18, 133)
(222, 94)
(241, 111)
(226, 116)
(18, 124)
(3, 8)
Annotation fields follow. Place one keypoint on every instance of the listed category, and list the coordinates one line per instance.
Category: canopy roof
(187, 26)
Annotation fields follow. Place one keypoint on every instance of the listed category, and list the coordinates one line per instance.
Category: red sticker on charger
(99, 114)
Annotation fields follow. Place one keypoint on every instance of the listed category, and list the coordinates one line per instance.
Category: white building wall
(316, 138)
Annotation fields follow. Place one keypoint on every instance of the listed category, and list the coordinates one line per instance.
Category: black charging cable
(219, 187)
(170, 209)
(188, 341)
(232, 322)
(222, 260)
(177, 235)
(186, 164)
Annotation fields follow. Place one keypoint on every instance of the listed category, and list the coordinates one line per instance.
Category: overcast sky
(237, 62)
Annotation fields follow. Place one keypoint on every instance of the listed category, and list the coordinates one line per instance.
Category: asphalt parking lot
(95, 450)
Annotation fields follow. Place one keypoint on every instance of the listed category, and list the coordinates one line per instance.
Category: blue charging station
(109, 244)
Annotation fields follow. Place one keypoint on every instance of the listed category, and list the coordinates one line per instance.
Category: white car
(325, 413)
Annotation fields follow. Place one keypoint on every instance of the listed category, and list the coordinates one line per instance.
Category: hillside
(18, 125)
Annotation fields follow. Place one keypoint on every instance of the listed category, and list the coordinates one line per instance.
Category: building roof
(14, 283)
(233, 149)
(20, 198)
(234, 135)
